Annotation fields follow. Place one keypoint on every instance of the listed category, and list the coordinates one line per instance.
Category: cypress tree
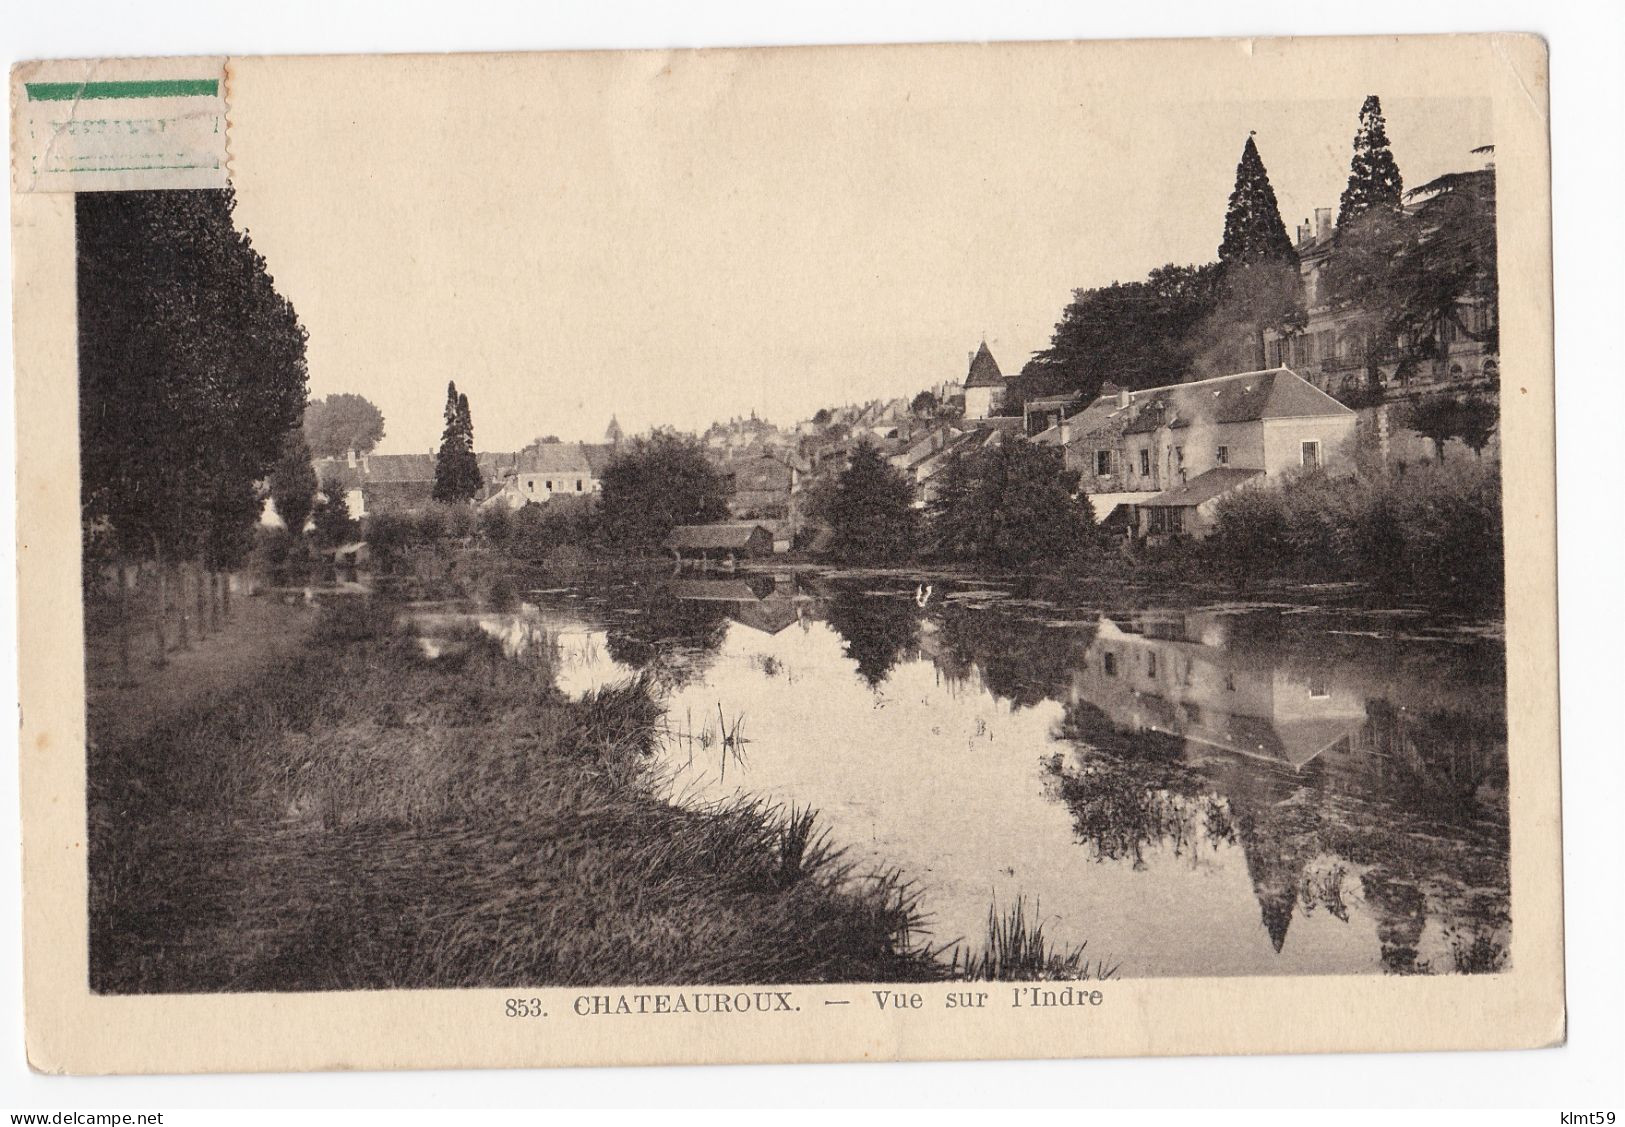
(456, 469)
(1259, 286)
(1253, 230)
(1374, 180)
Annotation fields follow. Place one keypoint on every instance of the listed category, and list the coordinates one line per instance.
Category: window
(1179, 456)
(530, 484)
(1150, 665)
(1145, 463)
(578, 485)
(1223, 456)
(1230, 682)
(550, 485)
(1318, 689)
(1311, 454)
(1109, 663)
(1103, 463)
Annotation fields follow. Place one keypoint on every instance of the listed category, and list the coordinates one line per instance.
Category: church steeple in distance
(612, 434)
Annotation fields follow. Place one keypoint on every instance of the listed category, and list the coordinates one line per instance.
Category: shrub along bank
(1434, 531)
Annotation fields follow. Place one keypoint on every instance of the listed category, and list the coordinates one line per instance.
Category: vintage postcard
(804, 554)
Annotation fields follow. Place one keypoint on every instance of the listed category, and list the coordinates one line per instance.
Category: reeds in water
(1016, 950)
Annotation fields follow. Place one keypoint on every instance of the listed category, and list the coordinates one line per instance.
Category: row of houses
(1155, 460)
(539, 473)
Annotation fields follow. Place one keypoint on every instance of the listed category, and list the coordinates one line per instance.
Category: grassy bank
(364, 817)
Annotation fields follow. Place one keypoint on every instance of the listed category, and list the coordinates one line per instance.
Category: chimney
(1064, 429)
(1323, 224)
(1122, 397)
(1304, 231)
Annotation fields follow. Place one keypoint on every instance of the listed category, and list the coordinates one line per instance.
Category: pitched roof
(1277, 393)
(382, 468)
(984, 370)
(494, 464)
(554, 457)
(337, 473)
(1202, 488)
(726, 535)
(599, 455)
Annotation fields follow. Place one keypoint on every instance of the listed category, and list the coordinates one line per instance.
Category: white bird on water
(922, 593)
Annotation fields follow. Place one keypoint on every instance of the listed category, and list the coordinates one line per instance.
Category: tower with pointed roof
(984, 385)
(612, 434)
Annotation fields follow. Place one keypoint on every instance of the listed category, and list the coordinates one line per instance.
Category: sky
(675, 238)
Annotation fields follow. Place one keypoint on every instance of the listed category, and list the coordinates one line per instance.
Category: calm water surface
(1213, 789)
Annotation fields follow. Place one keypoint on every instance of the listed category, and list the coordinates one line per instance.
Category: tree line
(192, 373)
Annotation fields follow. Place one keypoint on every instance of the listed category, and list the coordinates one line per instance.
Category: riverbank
(364, 816)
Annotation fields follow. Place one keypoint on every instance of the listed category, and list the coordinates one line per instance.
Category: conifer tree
(456, 469)
(1374, 180)
(1259, 286)
(1253, 230)
(1375, 242)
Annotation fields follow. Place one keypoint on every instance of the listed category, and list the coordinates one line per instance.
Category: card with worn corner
(805, 554)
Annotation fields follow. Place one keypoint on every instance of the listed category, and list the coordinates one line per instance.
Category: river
(1304, 786)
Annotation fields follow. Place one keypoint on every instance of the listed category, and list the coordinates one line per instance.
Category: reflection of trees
(1439, 761)
(1401, 912)
(876, 629)
(1020, 661)
(664, 629)
(1405, 805)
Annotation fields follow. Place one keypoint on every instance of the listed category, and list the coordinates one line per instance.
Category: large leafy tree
(1453, 266)
(656, 483)
(342, 422)
(1012, 505)
(456, 469)
(1374, 180)
(1135, 334)
(869, 510)
(1259, 285)
(191, 371)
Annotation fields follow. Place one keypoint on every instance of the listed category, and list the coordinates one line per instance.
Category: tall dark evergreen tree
(1253, 230)
(1375, 242)
(1374, 180)
(456, 469)
(1259, 286)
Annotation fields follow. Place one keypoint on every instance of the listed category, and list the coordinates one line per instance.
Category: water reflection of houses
(1174, 677)
(767, 603)
(1290, 734)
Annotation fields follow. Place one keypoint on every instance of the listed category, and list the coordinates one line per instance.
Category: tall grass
(1016, 950)
(368, 817)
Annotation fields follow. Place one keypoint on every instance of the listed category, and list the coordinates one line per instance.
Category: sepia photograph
(642, 532)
